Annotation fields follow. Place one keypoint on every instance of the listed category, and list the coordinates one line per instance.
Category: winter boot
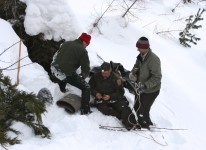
(62, 86)
(138, 126)
(85, 110)
(143, 123)
(149, 122)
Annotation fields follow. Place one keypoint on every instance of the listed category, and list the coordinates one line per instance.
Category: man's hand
(132, 77)
(141, 87)
(98, 96)
(83, 75)
(106, 97)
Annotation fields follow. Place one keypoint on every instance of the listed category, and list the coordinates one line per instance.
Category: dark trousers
(80, 83)
(119, 109)
(143, 109)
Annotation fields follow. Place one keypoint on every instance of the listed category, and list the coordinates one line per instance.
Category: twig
(167, 128)
(149, 24)
(19, 67)
(128, 9)
(167, 31)
(96, 23)
(100, 57)
(4, 61)
(9, 47)
(133, 131)
(4, 147)
(14, 63)
(158, 142)
(176, 6)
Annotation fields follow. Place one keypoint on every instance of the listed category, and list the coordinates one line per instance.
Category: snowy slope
(179, 105)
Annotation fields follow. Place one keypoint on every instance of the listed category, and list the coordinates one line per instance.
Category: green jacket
(112, 86)
(149, 72)
(70, 57)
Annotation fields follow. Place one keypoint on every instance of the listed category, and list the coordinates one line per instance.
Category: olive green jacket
(112, 86)
(70, 57)
(148, 72)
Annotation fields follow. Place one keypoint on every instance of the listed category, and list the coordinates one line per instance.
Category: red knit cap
(85, 37)
(143, 42)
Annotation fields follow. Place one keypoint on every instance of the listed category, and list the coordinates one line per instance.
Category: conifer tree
(185, 36)
(19, 106)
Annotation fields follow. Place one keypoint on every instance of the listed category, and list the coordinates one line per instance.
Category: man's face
(143, 50)
(85, 44)
(106, 74)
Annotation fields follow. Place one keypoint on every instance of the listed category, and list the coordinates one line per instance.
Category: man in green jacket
(147, 75)
(107, 88)
(71, 56)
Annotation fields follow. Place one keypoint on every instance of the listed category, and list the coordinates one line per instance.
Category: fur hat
(143, 42)
(85, 37)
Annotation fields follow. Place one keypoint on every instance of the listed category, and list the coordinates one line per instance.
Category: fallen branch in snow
(168, 31)
(136, 131)
(167, 128)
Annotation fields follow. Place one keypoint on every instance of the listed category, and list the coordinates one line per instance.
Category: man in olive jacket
(107, 88)
(147, 74)
(71, 56)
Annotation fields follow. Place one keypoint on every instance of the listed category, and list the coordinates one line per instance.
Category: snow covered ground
(181, 103)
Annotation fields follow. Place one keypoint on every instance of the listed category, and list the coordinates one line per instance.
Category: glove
(83, 75)
(133, 74)
(99, 101)
(141, 88)
(134, 70)
(132, 77)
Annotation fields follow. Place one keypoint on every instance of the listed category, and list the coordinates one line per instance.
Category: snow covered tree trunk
(39, 49)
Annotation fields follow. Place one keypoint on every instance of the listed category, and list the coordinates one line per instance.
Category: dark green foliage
(19, 106)
(185, 36)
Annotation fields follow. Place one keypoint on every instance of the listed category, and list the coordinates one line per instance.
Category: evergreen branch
(185, 36)
(19, 106)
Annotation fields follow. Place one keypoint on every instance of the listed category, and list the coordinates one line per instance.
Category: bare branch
(13, 63)
(96, 23)
(173, 10)
(9, 47)
(168, 31)
(18, 67)
(129, 9)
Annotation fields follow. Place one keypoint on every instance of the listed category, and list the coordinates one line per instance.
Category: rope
(136, 93)
(137, 98)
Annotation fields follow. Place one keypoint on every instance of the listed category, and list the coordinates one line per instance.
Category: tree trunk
(40, 50)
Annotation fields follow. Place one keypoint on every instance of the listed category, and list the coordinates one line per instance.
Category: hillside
(180, 104)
